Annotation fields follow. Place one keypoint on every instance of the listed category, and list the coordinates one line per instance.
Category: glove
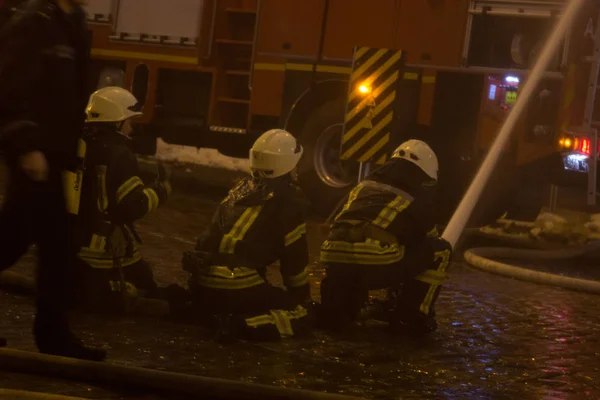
(440, 244)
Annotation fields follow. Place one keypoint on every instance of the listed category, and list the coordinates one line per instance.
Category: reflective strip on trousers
(105, 260)
(129, 186)
(444, 257)
(115, 286)
(153, 200)
(297, 280)
(369, 253)
(239, 229)
(219, 277)
(282, 319)
(295, 235)
(432, 277)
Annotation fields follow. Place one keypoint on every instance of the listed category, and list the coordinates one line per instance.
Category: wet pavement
(498, 338)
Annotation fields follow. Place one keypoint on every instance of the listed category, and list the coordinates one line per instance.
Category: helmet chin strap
(119, 130)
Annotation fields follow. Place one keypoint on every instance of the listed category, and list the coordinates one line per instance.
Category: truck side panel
(268, 80)
(290, 28)
(432, 31)
(358, 23)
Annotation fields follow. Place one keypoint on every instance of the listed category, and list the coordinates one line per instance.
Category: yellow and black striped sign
(371, 104)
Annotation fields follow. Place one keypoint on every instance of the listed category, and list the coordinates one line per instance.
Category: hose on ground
(150, 380)
(7, 394)
(482, 258)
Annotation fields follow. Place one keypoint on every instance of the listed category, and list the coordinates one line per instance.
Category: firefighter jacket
(260, 222)
(113, 197)
(43, 57)
(383, 216)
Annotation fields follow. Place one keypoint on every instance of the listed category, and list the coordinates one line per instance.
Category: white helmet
(112, 104)
(420, 154)
(275, 153)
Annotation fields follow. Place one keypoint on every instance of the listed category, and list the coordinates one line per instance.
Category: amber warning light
(363, 88)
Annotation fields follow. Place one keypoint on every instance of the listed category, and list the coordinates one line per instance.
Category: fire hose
(8, 394)
(483, 258)
(142, 378)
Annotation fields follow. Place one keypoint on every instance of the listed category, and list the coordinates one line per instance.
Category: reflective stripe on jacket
(373, 228)
(255, 227)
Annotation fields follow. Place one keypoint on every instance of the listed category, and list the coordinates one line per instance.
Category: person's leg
(15, 225)
(141, 276)
(98, 290)
(415, 311)
(343, 294)
(56, 272)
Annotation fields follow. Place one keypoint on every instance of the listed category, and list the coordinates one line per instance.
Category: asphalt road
(498, 338)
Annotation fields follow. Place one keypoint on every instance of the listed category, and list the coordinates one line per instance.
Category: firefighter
(384, 237)
(260, 222)
(44, 52)
(113, 197)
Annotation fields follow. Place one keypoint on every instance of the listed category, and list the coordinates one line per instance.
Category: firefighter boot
(413, 324)
(2, 342)
(53, 336)
(226, 328)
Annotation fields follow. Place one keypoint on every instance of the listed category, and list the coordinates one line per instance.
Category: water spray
(465, 208)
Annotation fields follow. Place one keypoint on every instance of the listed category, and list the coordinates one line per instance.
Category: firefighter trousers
(35, 212)
(260, 313)
(100, 289)
(415, 283)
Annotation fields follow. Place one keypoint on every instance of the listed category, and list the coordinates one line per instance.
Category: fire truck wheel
(323, 176)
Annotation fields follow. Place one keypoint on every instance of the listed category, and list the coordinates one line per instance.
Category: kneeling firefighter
(384, 238)
(113, 197)
(260, 222)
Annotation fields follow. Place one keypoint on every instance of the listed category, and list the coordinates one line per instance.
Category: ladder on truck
(235, 37)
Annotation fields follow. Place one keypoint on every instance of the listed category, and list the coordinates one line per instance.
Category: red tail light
(585, 146)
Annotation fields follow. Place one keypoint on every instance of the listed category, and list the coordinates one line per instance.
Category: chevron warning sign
(371, 104)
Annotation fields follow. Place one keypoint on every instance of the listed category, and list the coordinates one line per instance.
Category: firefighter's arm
(20, 70)
(437, 248)
(132, 200)
(293, 256)
(209, 240)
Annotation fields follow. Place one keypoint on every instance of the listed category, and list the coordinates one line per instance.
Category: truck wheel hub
(331, 170)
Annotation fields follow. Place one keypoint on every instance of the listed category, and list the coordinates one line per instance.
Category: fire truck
(351, 79)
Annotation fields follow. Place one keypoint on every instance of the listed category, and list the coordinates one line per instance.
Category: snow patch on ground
(208, 157)
(594, 224)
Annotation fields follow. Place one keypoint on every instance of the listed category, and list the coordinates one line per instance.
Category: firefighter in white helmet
(259, 223)
(384, 238)
(113, 197)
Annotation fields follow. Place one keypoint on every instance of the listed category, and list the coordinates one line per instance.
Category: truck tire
(323, 177)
